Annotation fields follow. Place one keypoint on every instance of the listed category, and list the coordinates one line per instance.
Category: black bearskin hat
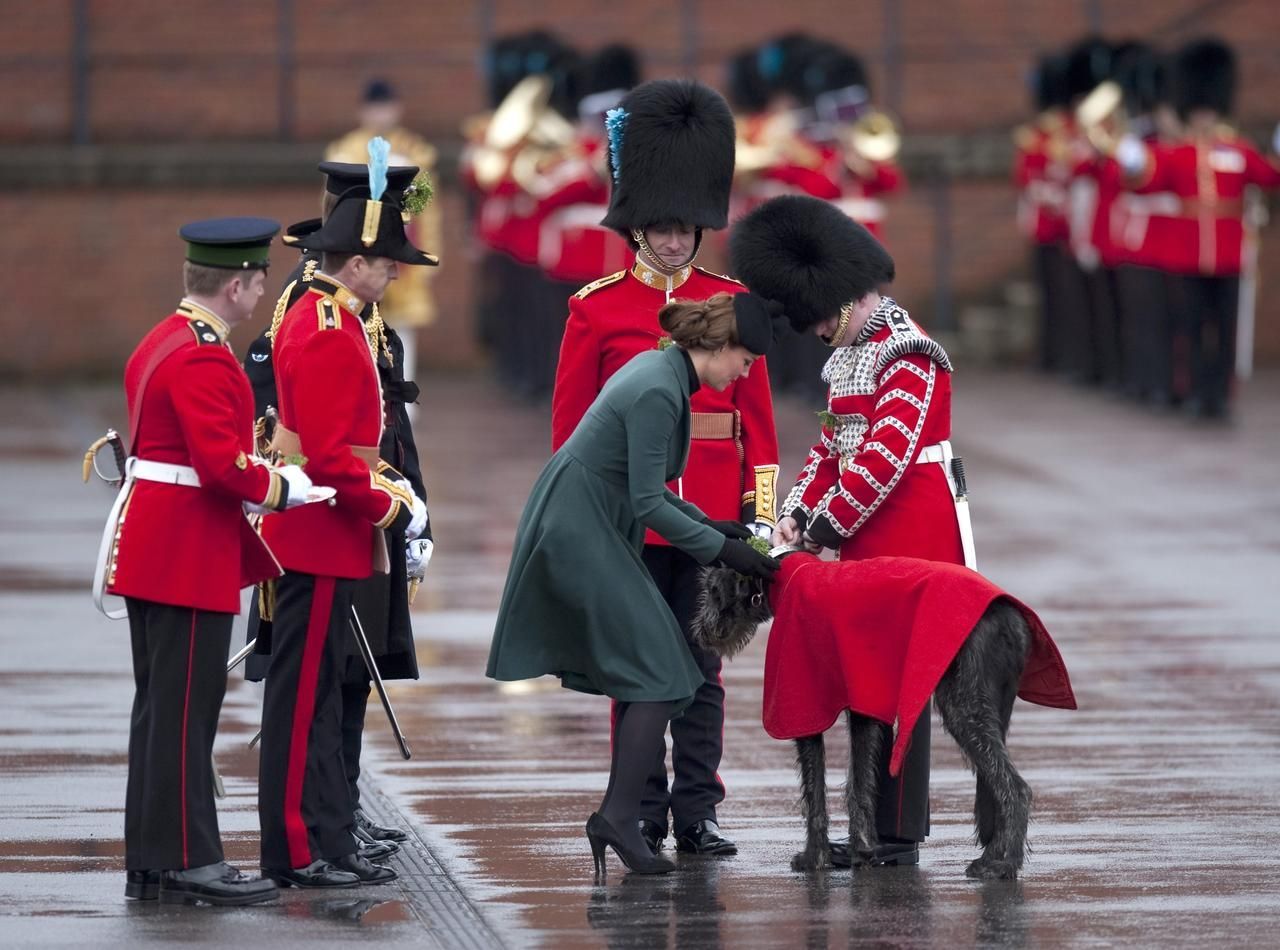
(833, 69)
(1088, 64)
(1204, 77)
(1050, 83)
(1140, 71)
(808, 255)
(671, 150)
(748, 91)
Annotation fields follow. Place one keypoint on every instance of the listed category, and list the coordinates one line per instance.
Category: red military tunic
(733, 458)
(1041, 182)
(826, 175)
(573, 247)
(179, 544)
(330, 396)
(890, 397)
(1209, 176)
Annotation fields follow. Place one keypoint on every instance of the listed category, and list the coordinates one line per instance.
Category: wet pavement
(1150, 545)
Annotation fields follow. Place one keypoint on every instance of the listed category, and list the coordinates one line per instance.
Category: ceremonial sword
(366, 654)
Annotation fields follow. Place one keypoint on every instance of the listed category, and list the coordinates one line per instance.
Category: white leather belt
(940, 453)
(135, 469)
(933, 453)
(164, 472)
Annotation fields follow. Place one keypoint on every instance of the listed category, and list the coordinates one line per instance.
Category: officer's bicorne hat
(671, 149)
(230, 243)
(809, 256)
(1204, 77)
(361, 224)
(341, 176)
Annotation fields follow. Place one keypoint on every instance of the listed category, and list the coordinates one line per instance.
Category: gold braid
(308, 274)
(375, 329)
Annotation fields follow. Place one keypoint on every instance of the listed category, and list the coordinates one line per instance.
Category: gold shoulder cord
(277, 317)
(375, 330)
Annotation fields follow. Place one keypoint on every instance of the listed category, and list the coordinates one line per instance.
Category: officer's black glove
(745, 559)
(730, 529)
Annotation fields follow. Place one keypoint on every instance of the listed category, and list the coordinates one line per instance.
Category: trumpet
(1102, 117)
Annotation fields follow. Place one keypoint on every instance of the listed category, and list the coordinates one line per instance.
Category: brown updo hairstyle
(700, 324)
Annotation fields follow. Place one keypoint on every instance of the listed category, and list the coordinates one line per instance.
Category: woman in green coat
(579, 602)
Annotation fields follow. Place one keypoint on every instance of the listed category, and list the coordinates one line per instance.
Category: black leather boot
(141, 885)
(704, 837)
(319, 873)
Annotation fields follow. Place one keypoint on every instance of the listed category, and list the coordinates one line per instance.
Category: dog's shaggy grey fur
(974, 697)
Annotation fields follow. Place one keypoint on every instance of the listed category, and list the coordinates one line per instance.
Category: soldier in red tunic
(671, 160)
(331, 413)
(179, 549)
(1208, 171)
(880, 480)
(1041, 179)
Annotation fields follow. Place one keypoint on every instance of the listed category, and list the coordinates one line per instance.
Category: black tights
(638, 731)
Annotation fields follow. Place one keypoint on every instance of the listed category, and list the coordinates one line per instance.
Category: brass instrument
(873, 136)
(522, 121)
(1102, 117)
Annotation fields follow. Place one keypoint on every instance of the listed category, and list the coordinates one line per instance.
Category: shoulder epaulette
(595, 285)
(328, 314)
(905, 337)
(205, 334)
(709, 273)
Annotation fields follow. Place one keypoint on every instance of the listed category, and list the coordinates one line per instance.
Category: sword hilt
(957, 473)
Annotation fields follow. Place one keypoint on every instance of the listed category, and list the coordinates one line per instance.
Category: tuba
(524, 112)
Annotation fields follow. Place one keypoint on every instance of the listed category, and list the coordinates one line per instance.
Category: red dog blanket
(875, 636)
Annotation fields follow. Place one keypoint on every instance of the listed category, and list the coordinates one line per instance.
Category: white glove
(418, 523)
(418, 554)
(299, 485)
(1131, 155)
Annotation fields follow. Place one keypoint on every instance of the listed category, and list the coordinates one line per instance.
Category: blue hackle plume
(614, 120)
(379, 158)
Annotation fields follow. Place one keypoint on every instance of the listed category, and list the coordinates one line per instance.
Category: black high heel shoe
(601, 834)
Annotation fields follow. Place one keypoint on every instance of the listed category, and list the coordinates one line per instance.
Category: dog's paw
(990, 869)
(811, 860)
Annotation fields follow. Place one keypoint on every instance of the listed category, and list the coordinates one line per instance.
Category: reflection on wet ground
(1149, 545)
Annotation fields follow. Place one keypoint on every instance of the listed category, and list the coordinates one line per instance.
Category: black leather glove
(730, 529)
(745, 559)
(821, 532)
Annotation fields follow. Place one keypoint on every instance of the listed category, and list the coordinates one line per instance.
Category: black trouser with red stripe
(180, 677)
(303, 803)
(697, 735)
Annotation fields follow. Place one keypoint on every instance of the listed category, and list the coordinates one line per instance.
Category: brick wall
(100, 265)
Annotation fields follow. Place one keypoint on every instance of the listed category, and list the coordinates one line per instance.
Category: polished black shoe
(602, 835)
(376, 850)
(653, 834)
(141, 885)
(703, 837)
(886, 854)
(219, 884)
(318, 873)
(367, 830)
(367, 872)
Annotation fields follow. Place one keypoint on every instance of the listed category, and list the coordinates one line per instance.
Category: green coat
(579, 602)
